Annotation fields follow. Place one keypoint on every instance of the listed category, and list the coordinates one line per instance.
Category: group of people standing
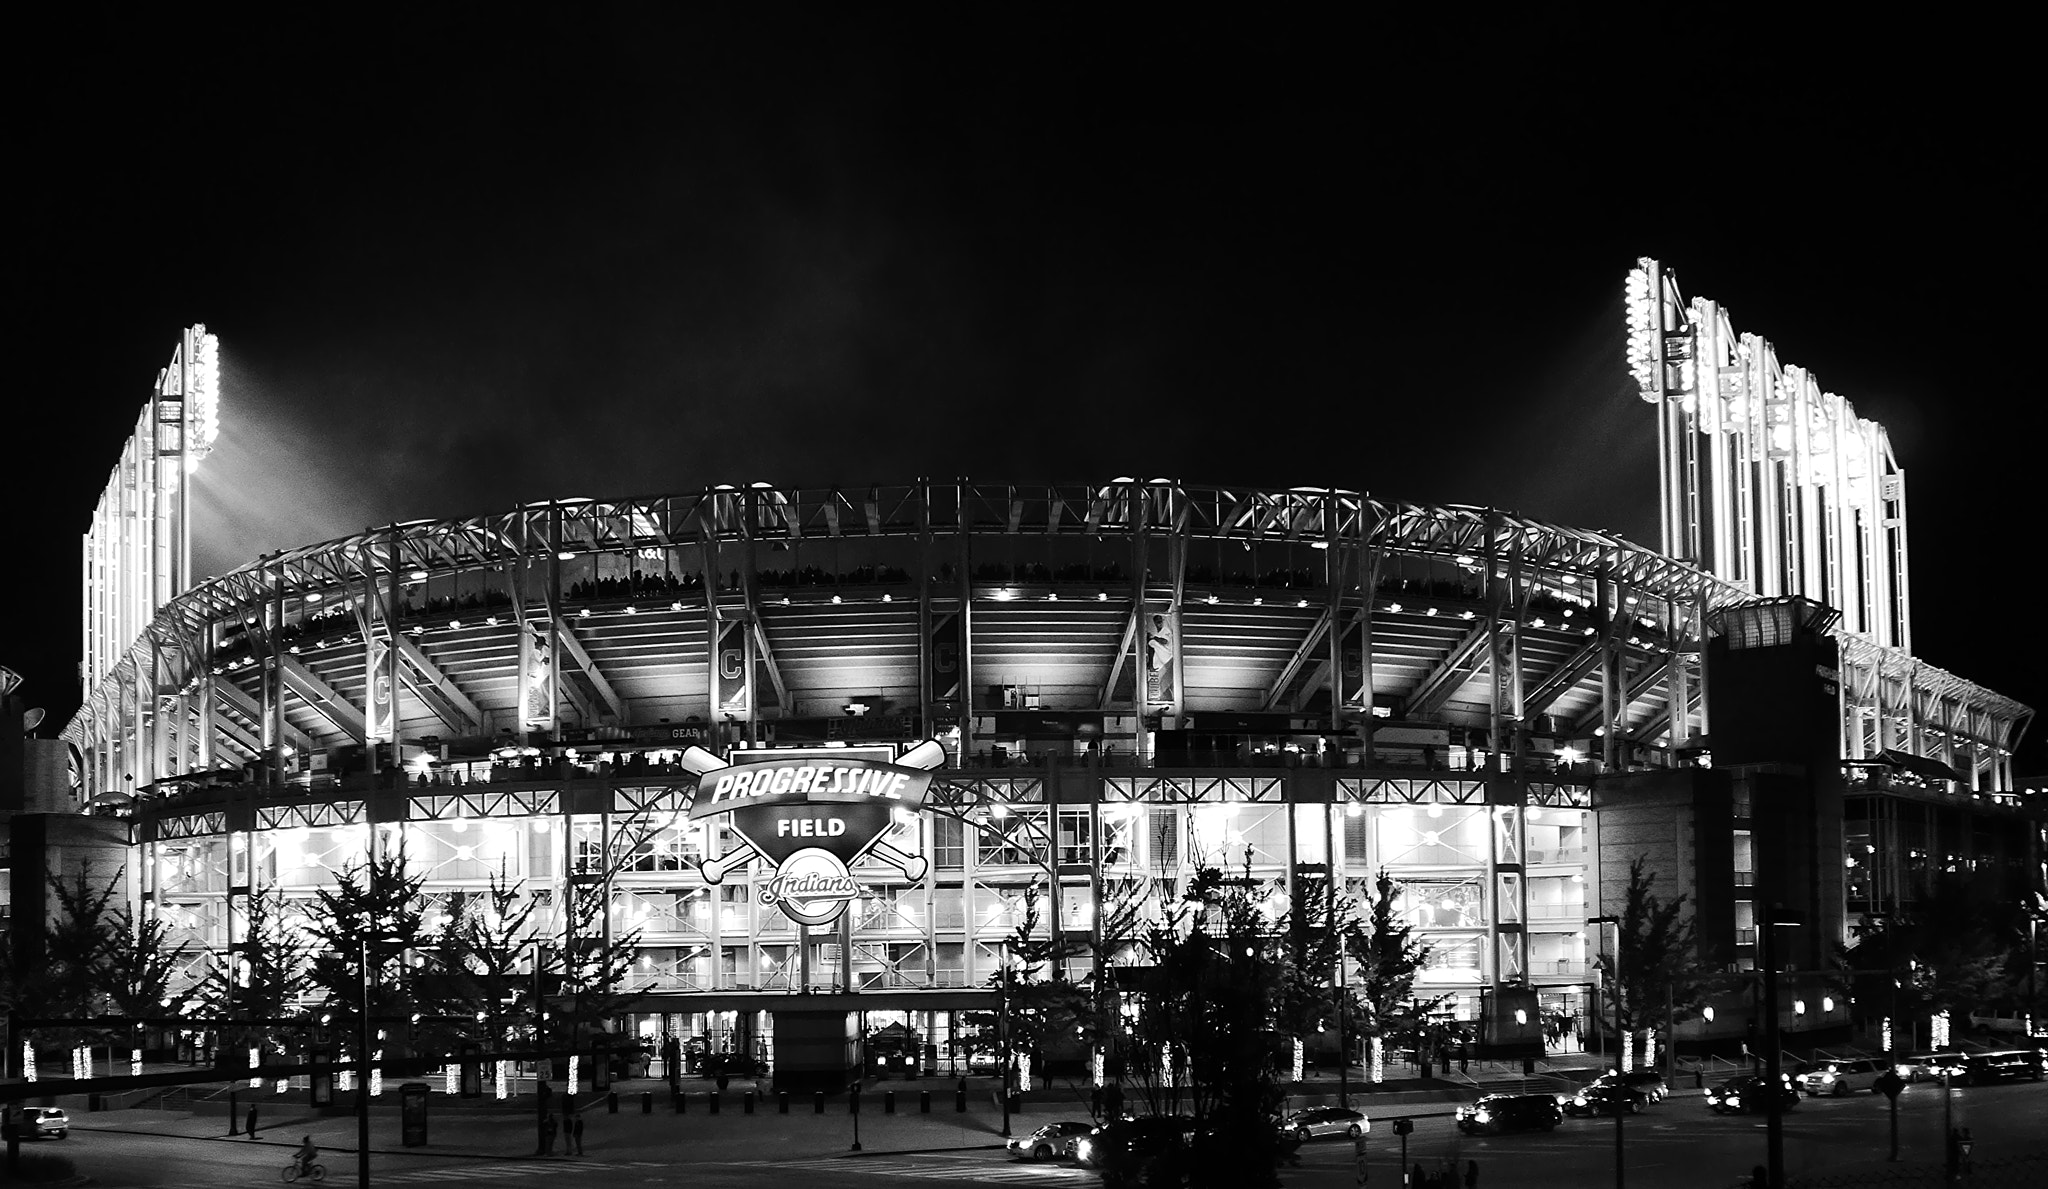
(570, 1122)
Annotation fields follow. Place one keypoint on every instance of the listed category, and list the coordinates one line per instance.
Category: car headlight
(1484, 1116)
(1579, 1101)
(1084, 1149)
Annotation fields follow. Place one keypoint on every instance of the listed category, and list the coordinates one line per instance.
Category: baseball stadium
(1050, 695)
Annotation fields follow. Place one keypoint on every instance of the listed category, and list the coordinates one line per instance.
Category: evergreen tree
(1317, 926)
(1389, 956)
(484, 984)
(265, 979)
(1957, 946)
(1202, 1039)
(374, 911)
(1663, 978)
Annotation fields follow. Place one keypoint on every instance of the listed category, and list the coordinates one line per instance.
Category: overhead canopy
(1919, 765)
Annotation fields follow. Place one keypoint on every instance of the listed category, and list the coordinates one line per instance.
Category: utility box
(412, 1114)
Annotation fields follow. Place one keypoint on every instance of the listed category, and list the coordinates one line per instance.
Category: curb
(242, 1141)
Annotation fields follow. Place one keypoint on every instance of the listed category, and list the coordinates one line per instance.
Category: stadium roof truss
(217, 675)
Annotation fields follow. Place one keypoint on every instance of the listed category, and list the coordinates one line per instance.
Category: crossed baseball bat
(926, 755)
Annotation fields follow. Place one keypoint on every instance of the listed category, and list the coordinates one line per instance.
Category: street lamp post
(363, 1076)
(1774, 1065)
(1003, 1035)
(363, 1064)
(1614, 989)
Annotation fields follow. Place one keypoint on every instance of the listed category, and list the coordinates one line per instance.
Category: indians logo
(814, 818)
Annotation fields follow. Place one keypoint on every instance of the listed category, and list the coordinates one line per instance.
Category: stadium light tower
(1765, 479)
(137, 558)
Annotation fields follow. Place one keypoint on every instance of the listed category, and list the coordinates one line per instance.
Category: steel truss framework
(745, 606)
(1082, 837)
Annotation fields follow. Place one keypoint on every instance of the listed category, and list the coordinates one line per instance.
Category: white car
(1837, 1078)
(1324, 1120)
(1054, 1141)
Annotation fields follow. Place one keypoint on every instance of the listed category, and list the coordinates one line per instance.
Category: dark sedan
(1496, 1113)
(1137, 1151)
(1751, 1093)
(1609, 1099)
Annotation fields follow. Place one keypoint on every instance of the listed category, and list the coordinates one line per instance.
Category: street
(1677, 1144)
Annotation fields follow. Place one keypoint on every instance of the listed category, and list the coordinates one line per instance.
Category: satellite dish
(33, 719)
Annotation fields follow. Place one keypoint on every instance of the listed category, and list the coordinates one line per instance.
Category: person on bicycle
(307, 1151)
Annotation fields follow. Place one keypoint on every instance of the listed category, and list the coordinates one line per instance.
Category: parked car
(1751, 1092)
(1496, 1113)
(1610, 1099)
(1649, 1081)
(2004, 1065)
(1305, 1125)
(37, 1122)
(1135, 1151)
(1837, 1078)
(1054, 1141)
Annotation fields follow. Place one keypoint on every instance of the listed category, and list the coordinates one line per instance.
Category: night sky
(459, 260)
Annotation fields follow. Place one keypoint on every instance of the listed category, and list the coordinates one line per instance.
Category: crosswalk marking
(491, 1172)
(943, 1168)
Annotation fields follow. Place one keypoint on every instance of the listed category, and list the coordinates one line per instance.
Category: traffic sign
(1889, 1083)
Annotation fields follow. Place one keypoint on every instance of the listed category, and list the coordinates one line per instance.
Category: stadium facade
(1122, 680)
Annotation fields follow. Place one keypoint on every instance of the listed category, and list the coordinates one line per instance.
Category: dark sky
(459, 260)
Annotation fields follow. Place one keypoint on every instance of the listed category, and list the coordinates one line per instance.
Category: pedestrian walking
(568, 1131)
(578, 1135)
(544, 1093)
(1471, 1174)
(252, 1120)
(547, 1135)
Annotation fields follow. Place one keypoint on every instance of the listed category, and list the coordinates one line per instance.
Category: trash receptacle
(646, 1102)
(747, 1103)
(924, 1102)
(611, 1103)
(412, 1114)
(782, 1102)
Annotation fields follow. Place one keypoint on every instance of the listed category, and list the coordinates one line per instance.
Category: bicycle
(311, 1172)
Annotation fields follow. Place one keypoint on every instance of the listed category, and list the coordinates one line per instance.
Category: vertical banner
(537, 682)
(377, 717)
(1161, 647)
(735, 675)
(943, 661)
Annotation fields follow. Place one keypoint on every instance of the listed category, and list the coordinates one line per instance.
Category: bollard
(711, 1101)
(818, 1103)
(747, 1103)
(960, 1100)
(646, 1102)
(924, 1102)
(680, 1099)
(888, 1102)
(782, 1102)
(611, 1103)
